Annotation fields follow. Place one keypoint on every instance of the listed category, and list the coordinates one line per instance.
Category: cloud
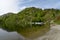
(8, 6)
(53, 5)
(57, 5)
(12, 5)
(18, 5)
(26, 1)
(22, 7)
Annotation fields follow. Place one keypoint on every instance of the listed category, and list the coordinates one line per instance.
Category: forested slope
(21, 22)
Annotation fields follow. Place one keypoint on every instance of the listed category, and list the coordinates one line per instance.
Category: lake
(4, 35)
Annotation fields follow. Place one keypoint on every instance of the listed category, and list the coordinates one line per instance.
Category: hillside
(21, 22)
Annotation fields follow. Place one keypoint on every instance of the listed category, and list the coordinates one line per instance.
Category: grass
(57, 21)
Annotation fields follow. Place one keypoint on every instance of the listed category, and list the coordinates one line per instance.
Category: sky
(18, 5)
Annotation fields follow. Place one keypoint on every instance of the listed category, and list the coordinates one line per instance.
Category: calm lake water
(4, 35)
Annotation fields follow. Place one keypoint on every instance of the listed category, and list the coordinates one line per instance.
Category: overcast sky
(17, 5)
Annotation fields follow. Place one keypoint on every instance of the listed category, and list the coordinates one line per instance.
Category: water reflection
(4, 35)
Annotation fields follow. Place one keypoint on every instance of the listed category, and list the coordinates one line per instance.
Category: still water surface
(4, 35)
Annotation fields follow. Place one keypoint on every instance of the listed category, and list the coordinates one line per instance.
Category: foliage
(21, 22)
(25, 17)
